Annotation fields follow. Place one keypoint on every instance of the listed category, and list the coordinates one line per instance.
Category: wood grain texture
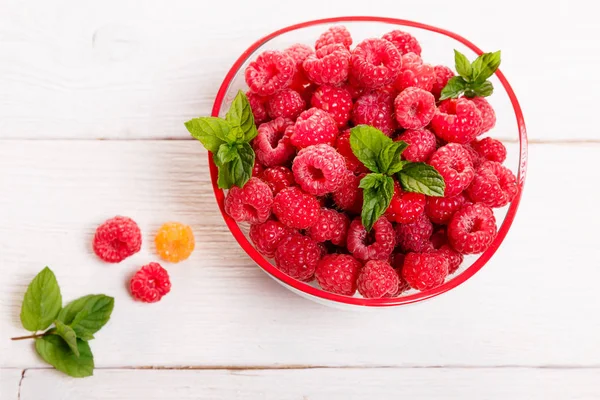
(9, 383)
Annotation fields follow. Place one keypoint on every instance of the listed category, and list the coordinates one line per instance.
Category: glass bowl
(438, 45)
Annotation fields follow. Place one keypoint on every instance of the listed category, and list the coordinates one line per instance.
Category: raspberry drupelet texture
(272, 144)
(116, 239)
(342, 144)
(424, 271)
(439, 240)
(258, 168)
(286, 103)
(493, 185)
(349, 197)
(414, 108)
(375, 63)
(331, 226)
(267, 236)
(295, 208)
(329, 65)
(278, 178)
(415, 74)
(271, 72)
(488, 116)
(297, 256)
(335, 35)
(457, 120)
(375, 245)
(404, 42)
(313, 126)
(454, 164)
(298, 52)
(442, 76)
(174, 242)
(319, 169)
(405, 207)
(337, 102)
(421, 144)
(258, 104)
(376, 109)
(490, 149)
(415, 236)
(338, 273)
(252, 203)
(472, 229)
(403, 286)
(441, 209)
(377, 279)
(150, 283)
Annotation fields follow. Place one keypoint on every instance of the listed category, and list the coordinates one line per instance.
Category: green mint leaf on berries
(472, 80)
(87, 314)
(390, 161)
(56, 352)
(68, 335)
(367, 143)
(462, 64)
(454, 88)
(483, 90)
(240, 116)
(422, 178)
(484, 66)
(235, 165)
(42, 302)
(378, 190)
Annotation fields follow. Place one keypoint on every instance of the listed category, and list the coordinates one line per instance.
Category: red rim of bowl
(316, 292)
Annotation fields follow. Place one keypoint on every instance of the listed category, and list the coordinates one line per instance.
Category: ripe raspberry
(336, 34)
(355, 91)
(475, 157)
(297, 256)
(405, 207)
(298, 52)
(414, 108)
(313, 126)
(331, 226)
(375, 245)
(150, 283)
(439, 240)
(336, 101)
(404, 42)
(457, 120)
(329, 65)
(349, 197)
(278, 178)
(442, 76)
(267, 236)
(424, 271)
(116, 239)
(375, 63)
(490, 149)
(337, 273)
(252, 203)
(258, 104)
(472, 229)
(342, 144)
(295, 208)
(488, 115)
(258, 168)
(286, 103)
(421, 144)
(453, 162)
(376, 109)
(415, 236)
(397, 260)
(494, 185)
(415, 74)
(441, 209)
(319, 169)
(271, 72)
(377, 279)
(272, 144)
(174, 242)
(403, 286)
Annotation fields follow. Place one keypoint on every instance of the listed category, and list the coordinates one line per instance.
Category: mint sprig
(472, 76)
(65, 345)
(228, 140)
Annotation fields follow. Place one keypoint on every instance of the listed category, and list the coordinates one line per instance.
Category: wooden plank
(9, 383)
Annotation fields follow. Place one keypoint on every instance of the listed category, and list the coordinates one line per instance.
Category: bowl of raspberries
(366, 161)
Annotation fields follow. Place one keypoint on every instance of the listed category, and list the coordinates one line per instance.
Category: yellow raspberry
(174, 242)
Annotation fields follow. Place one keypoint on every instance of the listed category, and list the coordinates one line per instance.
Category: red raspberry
(490, 149)
(278, 178)
(272, 144)
(349, 197)
(258, 104)
(415, 74)
(286, 103)
(424, 271)
(441, 209)
(403, 286)
(336, 34)
(314, 126)
(342, 144)
(116, 239)
(355, 91)
(336, 101)
(472, 229)
(258, 169)
(453, 162)
(297, 256)
(457, 120)
(414, 108)
(296, 209)
(377, 279)
(488, 115)
(337, 273)
(267, 236)
(319, 169)
(252, 203)
(494, 185)
(271, 72)
(375, 63)
(442, 76)
(150, 283)
(421, 144)
(475, 157)
(404, 42)
(298, 52)
(415, 236)
(376, 109)
(329, 65)
(405, 207)
(397, 260)
(439, 240)
(375, 245)
(331, 226)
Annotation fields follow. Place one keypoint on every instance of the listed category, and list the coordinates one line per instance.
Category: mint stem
(37, 335)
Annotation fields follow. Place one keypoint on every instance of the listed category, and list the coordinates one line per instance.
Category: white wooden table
(74, 72)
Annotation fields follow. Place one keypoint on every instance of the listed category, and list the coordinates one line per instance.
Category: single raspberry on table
(424, 271)
(415, 74)
(295, 208)
(116, 239)
(278, 178)
(314, 126)
(377, 244)
(174, 242)
(414, 108)
(342, 144)
(297, 256)
(335, 101)
(298, 52)
(258, 104)
(457, 120)
(405, 207)
(286, 103)
(441, 209)
(377, 279)
(271, 72)
(349, 197)
(421, 144)
(150, 283)
(454, 164)
(493, 185)
(335, 35)
(490, 149)
(338, 273)
(472, 229)
(415, 236)
(488, 116)
(376, 109)
(252, 203)
(404, 42)
(331, 226)
(442, 76)
(375, 63)
(329, 65)
(319, 169)
(267, 236)
(272, 144)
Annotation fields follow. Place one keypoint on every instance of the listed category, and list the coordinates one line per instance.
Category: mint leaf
(484, 66)
(367, 143)
(42, 301)
(378, 190)
(238, 170)
(68, 335)
(240, 115)
(454, 88)
(227, 152)
(389, 159)
(462, 65)
(210, 131)
(483, 90)
(422, 178)
(55, 351)
(87, 314)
